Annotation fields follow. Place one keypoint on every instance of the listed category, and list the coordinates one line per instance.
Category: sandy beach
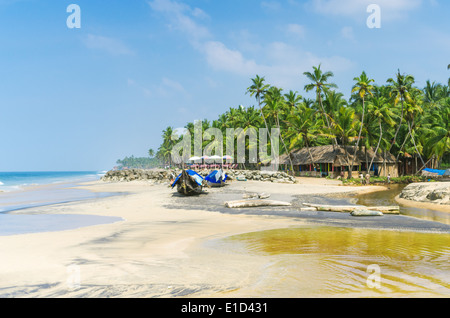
(161, 249)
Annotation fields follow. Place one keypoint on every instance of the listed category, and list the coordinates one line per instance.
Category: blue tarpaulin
(439, 172)
(214, 177)
(198, 178)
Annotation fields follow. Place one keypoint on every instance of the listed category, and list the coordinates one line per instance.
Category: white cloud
(167, 87)
(173, 85)
(110, 45)
(270, 5)
(181, 17)
(347, 33)
(222, 58)
(296, 30)
(390, 9)
(282, 64)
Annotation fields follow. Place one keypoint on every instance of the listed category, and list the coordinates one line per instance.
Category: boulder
(364, 212)
(427, 192)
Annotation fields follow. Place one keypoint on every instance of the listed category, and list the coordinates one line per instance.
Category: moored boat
(217, 178)
(189, 183)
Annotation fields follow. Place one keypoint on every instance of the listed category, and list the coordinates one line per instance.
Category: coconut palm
(258, 89)
(379, 109)
(345, 127)
(319, 84)
(400, 88)
(364, 88)
(333, 102)
(432, 94)
(274, 106)
(412, 110)
(303, 128)
(438, 135)
(292, 100)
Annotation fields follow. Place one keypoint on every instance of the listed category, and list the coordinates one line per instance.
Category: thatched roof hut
(336, 156)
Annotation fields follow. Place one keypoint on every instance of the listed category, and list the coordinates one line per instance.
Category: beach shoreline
(423, 205)
(156, 251)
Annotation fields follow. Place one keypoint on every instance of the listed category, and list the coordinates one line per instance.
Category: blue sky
(79, 99)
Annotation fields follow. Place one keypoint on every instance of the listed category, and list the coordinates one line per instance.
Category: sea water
(22, 191)
(14, 181)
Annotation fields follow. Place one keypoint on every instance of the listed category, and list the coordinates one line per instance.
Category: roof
(337, 156)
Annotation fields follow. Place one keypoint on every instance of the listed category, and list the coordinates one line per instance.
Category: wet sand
(168, 245)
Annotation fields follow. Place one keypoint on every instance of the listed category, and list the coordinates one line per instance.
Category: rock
(427, 192)
(254, 203)
(168, 175)
(363, 212)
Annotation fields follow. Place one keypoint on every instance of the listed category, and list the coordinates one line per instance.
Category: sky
(80, 98)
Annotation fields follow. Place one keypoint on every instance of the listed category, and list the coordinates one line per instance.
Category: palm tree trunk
(404, 142)
(367, 159)
(378, 146)
(285, 148)
(309, 152)
(326, 118)
(398, 129)
(415, 146)
(359, 137)
(264, 118)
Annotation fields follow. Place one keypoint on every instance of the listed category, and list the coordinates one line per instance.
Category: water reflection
(387, 197)
(333, 262)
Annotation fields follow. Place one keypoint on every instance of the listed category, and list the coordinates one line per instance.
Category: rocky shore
(164, 176)
(427, 192)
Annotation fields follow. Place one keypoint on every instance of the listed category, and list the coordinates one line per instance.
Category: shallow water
(17, 217)
(388, 198)
(334, 262)
(13, 224)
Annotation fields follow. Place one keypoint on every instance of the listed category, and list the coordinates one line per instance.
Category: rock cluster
(429, 192)
(267, 176)
(140, 175)
(163, 176)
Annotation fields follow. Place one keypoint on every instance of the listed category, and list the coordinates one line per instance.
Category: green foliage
(396, 117)
(138, 163)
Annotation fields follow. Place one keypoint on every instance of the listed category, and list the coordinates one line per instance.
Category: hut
(335, 161)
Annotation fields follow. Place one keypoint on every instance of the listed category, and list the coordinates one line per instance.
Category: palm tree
(380, 110)
(303, 128)
(432, 92)
(344, 127)
(258, 89)
(274, 104)
(333, 102)
(400, 91)
(319, 83)
(363, 87)
(412, 109)
(292, 99)
(151, 153)
(438, 135)
(167, 145)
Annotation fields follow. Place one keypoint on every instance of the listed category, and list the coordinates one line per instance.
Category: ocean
(21, 191)
(14, 181)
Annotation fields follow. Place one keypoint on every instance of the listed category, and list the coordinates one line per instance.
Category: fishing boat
(217, 178)
(189, 183)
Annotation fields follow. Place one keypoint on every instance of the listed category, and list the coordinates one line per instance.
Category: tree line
(394, 117)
